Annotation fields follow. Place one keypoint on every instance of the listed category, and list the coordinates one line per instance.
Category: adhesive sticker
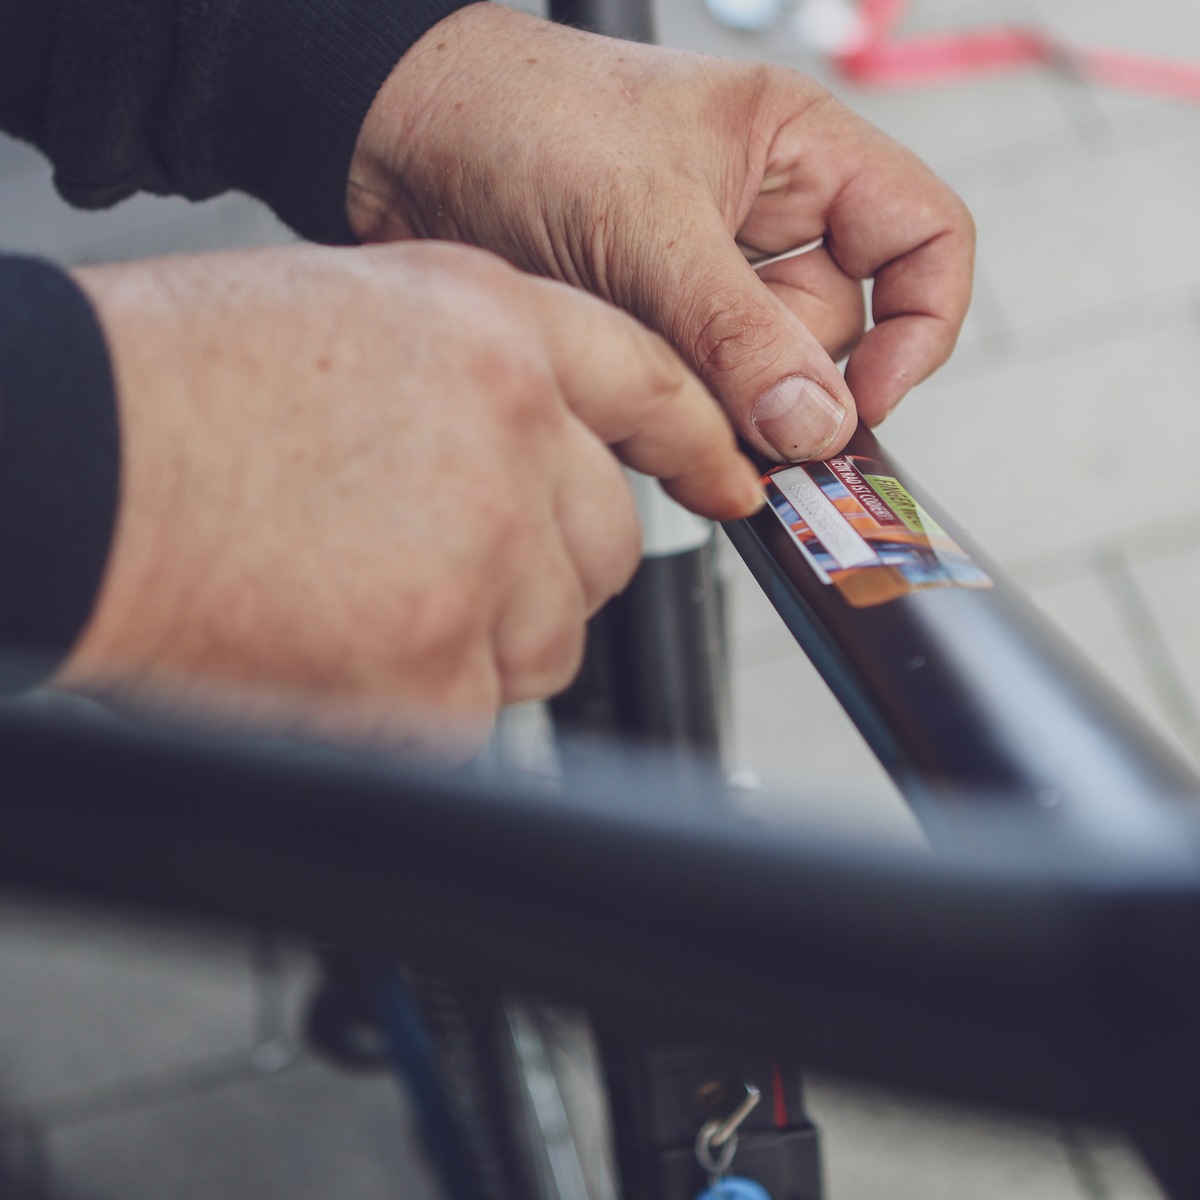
(862, 531)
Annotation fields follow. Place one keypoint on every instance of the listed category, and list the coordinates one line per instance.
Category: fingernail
(798, 417)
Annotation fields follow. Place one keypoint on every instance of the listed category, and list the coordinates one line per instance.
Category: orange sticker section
(862, 532)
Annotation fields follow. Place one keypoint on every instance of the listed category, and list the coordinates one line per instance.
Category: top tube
(955, 680)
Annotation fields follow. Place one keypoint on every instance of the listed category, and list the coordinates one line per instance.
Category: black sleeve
(195, 97)
(59, 467)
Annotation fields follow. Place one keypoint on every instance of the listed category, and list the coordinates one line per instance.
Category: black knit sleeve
(59, 467)
(26, 41)
(295, 83)
(194, 97)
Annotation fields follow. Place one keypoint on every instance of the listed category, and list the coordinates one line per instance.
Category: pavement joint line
(25, 1163)
(1145, 631)
(998, 337)
(1069, 333)
(269, 987)
(138, 1094)
(1141, 544)
(1083, 1163)
(1063, 151)
(1113, 321)
(1013, 164)
(1079, 102)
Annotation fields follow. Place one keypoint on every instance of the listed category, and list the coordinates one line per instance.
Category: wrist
(434, 73)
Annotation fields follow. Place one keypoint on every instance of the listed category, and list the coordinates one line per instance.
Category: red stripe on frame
(780, 1099)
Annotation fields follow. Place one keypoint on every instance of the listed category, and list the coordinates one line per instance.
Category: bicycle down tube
(1022, 965)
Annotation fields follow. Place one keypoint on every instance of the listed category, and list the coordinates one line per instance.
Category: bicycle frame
(1051, 973)
(1040, 960)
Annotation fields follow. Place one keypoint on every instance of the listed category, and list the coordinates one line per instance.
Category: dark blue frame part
(1016, 967)
(964, 688)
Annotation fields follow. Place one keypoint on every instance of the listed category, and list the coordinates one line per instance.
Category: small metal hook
(714, 1168)
(726, 1129)
(721, 1136)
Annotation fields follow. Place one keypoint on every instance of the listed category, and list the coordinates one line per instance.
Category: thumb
(781, 390)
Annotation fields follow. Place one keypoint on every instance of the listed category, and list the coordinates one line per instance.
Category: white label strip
(833, 531)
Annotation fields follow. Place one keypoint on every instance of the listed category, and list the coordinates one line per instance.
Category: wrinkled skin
(636, 173)
(372, 493)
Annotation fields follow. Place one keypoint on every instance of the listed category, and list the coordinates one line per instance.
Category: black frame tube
(961, 690)
(1049, 978)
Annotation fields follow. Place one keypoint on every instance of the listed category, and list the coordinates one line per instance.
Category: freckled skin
(642, 173)
(329, 521)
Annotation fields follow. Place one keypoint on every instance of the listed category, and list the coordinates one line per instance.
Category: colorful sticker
(863, 533)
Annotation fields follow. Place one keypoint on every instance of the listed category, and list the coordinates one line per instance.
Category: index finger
(635, 394)
(886, 216)
(898, 223)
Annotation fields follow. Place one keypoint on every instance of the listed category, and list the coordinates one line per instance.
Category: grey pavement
(135, 1062)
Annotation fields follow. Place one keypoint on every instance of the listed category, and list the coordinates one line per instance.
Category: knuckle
(849, 325)
(547, 661)
(559, 658)
(728, 334)
(955, 219)
(443, 626)
(960, 222)
(472, 697)
(845, 340)
(969, 228)
(779, 90)
(612, 570)
(628, 543)
(467, 261)
(663, 375)
(531, 402)
(964, 218)
(616, 546)
(502, 529)
(524, 395)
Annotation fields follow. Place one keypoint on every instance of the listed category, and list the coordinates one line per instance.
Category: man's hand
(370, 492)
(636, 172)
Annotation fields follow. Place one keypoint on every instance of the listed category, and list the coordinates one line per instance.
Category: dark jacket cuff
(59, 467)
(296, 82)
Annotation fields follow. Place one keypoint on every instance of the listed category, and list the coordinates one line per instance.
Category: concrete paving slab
(1042, 457)
(956, 125)
(309, 1133)
(879, 1143)
(1117, 224)
(36, 221)
(1090, 613)
(1067, 340)
(791, 733)
(284, 978)
(1160, 28)
(1114, 1169)
(88, 1004)
(943, 124)
(1171, 585)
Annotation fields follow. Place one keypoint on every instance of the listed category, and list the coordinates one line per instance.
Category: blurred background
(1062, 435)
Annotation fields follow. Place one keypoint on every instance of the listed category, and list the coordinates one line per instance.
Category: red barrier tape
(882, 59)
